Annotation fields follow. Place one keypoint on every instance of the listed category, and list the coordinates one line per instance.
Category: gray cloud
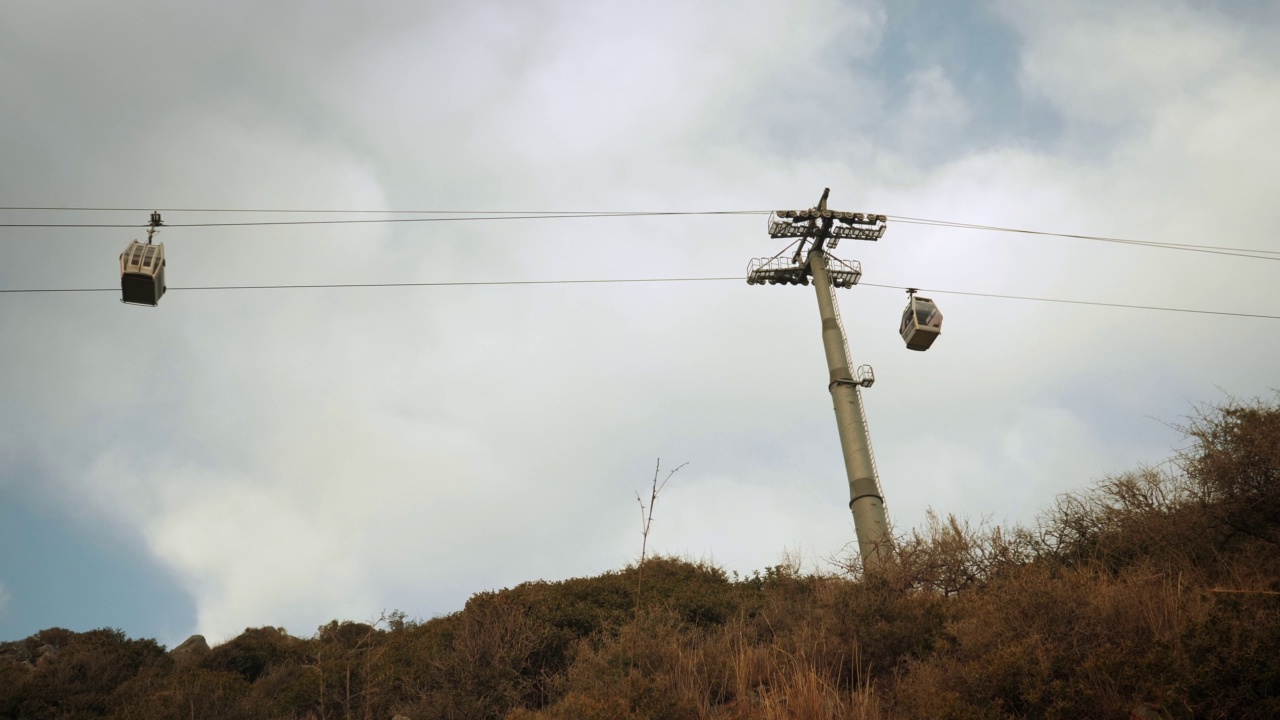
(299, 455)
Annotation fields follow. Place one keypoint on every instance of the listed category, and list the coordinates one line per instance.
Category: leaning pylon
(817, 231)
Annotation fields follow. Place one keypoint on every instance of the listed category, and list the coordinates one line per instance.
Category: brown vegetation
(1155, 592)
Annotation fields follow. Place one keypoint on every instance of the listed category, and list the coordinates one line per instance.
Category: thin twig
(646, 522)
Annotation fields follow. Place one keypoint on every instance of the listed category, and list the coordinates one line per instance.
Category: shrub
(252, 652)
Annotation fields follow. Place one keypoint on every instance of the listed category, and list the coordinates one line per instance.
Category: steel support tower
(818, 230)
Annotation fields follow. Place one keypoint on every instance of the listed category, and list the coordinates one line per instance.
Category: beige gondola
(921, 322)
(142, 269)
(142, 274)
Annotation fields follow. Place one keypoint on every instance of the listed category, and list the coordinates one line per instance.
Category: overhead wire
(318, 211)
(463, 283)
(475, 215)
(450, 218)
(1076, 302)
(1212, 249)
(606, 281)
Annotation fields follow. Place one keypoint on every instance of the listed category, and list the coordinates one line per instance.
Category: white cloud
(1119, 64)
(935, 115)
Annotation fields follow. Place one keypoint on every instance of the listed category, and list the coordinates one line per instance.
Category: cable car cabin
(921, 323)
(142, 274)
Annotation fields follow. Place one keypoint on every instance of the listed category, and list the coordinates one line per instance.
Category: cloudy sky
(285, 457)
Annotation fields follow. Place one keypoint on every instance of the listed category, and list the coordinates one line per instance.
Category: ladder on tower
(848, 358)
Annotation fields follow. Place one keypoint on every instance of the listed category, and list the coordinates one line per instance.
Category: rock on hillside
(192, 650)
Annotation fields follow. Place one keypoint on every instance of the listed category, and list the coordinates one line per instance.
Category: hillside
(1154, 593)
